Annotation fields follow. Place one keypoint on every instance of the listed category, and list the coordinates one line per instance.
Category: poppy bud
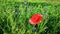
(36, 18)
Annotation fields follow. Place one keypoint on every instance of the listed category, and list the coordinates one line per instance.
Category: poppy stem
(35, 27)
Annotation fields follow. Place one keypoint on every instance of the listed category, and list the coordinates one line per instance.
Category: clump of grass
(14, 18)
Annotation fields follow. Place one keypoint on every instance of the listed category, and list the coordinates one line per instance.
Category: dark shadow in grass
(1, 31)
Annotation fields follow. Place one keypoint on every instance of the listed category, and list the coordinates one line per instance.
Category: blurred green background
(15, 15)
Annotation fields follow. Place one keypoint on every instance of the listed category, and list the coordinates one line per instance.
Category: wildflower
(36, 19)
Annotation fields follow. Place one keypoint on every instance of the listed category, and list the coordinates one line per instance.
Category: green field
(15, 15)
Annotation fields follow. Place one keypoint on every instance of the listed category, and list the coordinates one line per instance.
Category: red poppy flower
(36, 18)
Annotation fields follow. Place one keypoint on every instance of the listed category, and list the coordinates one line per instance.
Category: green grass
(14, 17)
